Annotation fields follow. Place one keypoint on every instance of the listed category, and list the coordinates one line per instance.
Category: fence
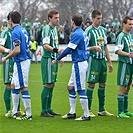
(111, 48)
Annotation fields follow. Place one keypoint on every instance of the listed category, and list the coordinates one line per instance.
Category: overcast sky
(5, 9)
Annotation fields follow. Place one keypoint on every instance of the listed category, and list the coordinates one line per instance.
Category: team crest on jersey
(131, 46)
(100, 40)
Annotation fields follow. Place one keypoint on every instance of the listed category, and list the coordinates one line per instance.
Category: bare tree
(111, 9)
(28, 8)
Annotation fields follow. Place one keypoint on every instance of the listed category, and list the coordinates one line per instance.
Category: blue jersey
(19, 34)
(80, 45)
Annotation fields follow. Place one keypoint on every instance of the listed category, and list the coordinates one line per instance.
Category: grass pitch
(61, 105)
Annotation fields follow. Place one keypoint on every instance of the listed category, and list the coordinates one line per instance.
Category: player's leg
(35, 57)
(123, 82)
(49, 75)
(101, 89)
(31, 53)
(46, 87)
(126, 111)
(7, 98)
(80, 69)
(7, 76)
(53, 76)
(23, 72)
(72, 98)
(92, 78)
(84, 105)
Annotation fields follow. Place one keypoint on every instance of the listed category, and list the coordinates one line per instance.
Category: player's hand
(110, 67)
(61, 63)
(9, 51)
(131, 55)
(53, 62)
(60, 51)
(98, 49)
(3, 59)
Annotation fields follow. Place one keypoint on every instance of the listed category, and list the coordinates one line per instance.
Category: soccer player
(79, 49)
(97, 69)
(124, 49)
(21, 57)
(5, 46)
(49, 73)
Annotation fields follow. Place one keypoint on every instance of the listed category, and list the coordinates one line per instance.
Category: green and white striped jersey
(5, 39)
(124, 43)
(50, 37)
(97, 37)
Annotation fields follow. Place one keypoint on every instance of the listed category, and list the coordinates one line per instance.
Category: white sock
(27, 105)
(27, 102)
(84, 105)
(72, 105)
(15, 101)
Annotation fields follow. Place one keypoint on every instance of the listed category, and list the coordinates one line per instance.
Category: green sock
(50, 99)
(120, 103)
(89, 93)
(101, 97)
(7, 98)
(45, 98)
(125, 102)
(19, 105)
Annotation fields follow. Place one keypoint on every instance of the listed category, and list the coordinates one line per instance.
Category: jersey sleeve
(45, 35)
(75, 39)
(119, 45)
(3, 38)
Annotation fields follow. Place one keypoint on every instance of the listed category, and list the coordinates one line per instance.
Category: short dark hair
(95, 13)
(8, 16)
(15, 17)
(77, 18)
(51, 13)
(125, 18)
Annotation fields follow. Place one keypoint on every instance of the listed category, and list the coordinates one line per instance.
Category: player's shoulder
(102, 28)
(88, 28)
(121, 35)
(46, 27)
(5, 31)
(78, 32)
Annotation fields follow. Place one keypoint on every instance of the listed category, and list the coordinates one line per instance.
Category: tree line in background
(33, 9)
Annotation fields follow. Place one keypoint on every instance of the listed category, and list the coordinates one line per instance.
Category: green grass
(61, 105)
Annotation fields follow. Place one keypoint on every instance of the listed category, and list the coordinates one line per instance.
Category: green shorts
(97, 70)
(124, 75)
(49, 73)
(8, 71)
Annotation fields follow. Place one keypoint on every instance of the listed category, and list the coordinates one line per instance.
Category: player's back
(80, 53)
(20, 35)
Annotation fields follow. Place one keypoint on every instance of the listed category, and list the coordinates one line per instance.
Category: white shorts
(78, 75)
(20, 74)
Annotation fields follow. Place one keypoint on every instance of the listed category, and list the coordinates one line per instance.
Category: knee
(82, 93)
(92, 85)
(50, 85)
(15, 91)
(102, 84)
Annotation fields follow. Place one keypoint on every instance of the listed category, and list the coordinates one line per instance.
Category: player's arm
(2, 43)
(14, 52)
(46, 46)
(97, 48)
(119, 51)
(63, 54)
(3, 49)
(108, 59)
(122, 53)
(51, 49)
